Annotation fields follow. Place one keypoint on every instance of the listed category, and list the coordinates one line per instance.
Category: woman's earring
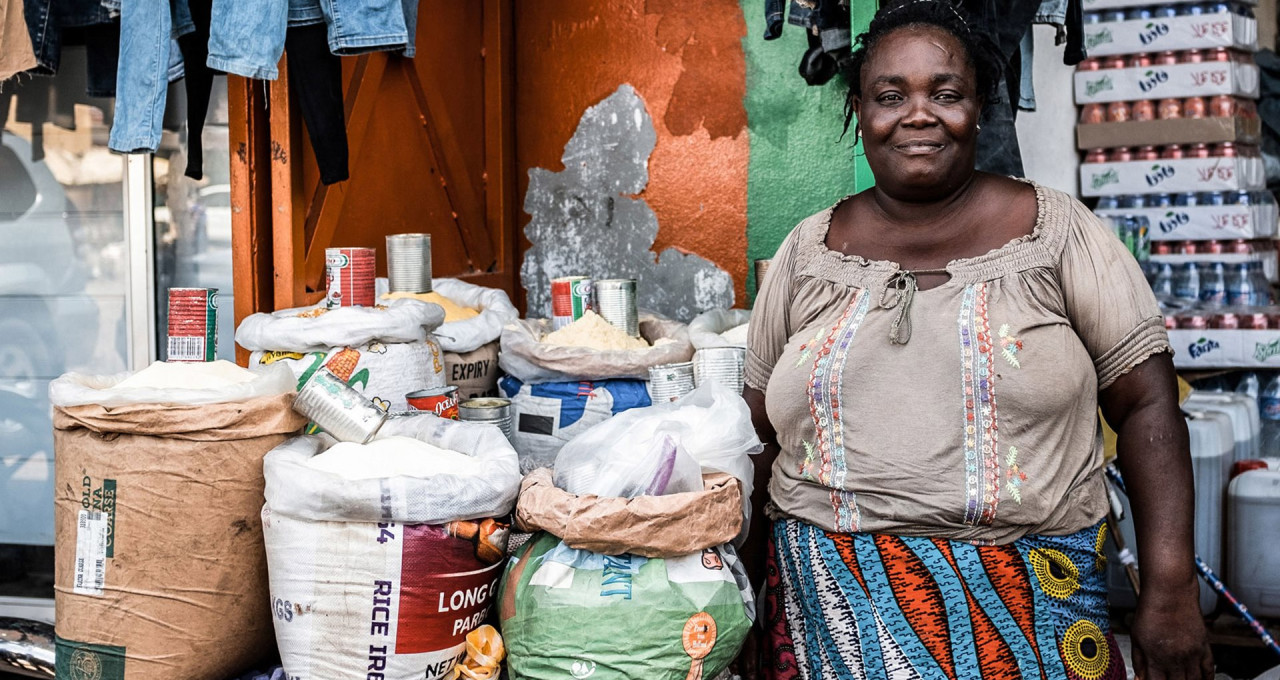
(978, 127)
(857, 134)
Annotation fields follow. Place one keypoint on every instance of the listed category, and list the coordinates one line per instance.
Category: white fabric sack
(384, 577)
(383, 353)
(469, 335)
(705, 329)
(530, 360)
(78, 389)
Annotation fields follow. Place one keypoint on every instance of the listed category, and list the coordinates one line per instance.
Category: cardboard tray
(1205, 222)
(1174, 131)
(1212, 348)
(1095, 5)
(1205, 79)
(1171, 175)
(1193, 32)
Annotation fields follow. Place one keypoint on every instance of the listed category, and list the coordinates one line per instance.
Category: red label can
(1196, 322)
(442, 401)
(1222, 106)
(1140, 60)
(1170, 323)
(1148, 153)
(1220, 54)
(1121, 154)
(193, 324)
(1172, 151)
(1119, 112)
(1192, 57)
(1092, 114)
(1241, 246)
(350, 272)
(570, 299)
(1255, 321)
(1199, 151)
(1195, 107)
(1187, 248)
(1212, 248)
(1225, 321)
(1224, 150)
(1167, 58)
(1096, 156)
(1169, 108)
(1144, 109)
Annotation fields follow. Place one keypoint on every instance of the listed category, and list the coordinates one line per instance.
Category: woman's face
(919, 111)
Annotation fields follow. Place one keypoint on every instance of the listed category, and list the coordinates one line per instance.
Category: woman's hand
(1169, 639)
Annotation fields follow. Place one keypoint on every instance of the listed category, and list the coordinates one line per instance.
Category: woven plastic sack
(705, 329)
(469, 335)
(545, 416)
(567, 613)
(384, 352)
(529, 360)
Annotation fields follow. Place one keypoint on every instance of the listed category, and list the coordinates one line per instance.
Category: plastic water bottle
(1162, 284)
(1249, 386)
(1261, 286)
(1240, 285)
(1186, 282)
(1269, 407)
(1213, 285)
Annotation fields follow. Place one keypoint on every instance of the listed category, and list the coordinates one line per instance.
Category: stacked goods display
(385, 352)
(562, 382)
(473, 321)
(160, 571)
(635, 545)
(385, 556)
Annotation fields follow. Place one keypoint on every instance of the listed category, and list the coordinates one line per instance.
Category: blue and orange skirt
(872, 606)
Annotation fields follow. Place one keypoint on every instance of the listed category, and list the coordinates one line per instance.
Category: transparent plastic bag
(617, 465)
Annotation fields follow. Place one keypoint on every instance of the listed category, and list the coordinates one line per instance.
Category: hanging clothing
(875, 606)
(16, 52)
(315, 76)
(198, 82)
(149, 59)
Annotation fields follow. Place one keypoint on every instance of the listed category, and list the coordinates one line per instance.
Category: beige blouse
(983, 426)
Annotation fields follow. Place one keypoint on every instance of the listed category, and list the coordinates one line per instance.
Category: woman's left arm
(1169, 639)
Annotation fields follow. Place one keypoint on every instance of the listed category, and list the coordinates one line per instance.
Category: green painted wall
(797, 164)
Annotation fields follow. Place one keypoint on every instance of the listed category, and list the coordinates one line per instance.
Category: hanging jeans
(147, 51)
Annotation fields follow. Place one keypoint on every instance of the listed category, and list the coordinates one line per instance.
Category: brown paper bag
(649, 526)
(160, 569)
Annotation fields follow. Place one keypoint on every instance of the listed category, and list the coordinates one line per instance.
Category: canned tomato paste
(442, 401)
(193, 324)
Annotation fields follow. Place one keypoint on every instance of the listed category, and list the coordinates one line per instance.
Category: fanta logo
(1158, 174)
(1172, 220)
(1152, 31)
(1102, 84)
(1202, 347)
(1100, 38)
(1264, 351)
(1103, 179)
(1152, 78)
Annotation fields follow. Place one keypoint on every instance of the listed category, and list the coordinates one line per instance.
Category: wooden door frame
(277, 248)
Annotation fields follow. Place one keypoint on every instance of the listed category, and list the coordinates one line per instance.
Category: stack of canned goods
(1237, 247)
(1227, 318)
(1210, 284)
(1124, 154)
(613, 299)
(1167, 11)
(1217, 106)
(1185, 199)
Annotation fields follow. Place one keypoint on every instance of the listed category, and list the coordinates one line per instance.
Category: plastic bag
(78, 389)
(468, 335)
(396, 322)
(525, 357)
(705, 329)
(623, 467)
(547, 415)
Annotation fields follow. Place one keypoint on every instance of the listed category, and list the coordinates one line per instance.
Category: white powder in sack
(593, 332)
(392, 457)
(736, 335)
(191, 376)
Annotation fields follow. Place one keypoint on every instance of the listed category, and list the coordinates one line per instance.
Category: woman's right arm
(756, 548)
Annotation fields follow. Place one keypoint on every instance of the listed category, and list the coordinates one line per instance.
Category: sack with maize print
(385, 352)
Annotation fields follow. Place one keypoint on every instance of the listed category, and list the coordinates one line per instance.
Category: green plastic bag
(575, 614)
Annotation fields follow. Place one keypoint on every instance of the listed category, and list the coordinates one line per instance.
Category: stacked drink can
(724, 365)
(409, 263)
(669, 382)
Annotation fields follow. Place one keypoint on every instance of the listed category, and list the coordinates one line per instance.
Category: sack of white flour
(385, 352)
(384, 556)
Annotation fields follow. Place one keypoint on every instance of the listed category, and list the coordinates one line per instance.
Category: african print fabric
(859, 606)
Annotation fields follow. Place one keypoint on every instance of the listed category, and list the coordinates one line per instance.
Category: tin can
(669, 382)
(1221, 54)
(1273, 318)
(1092, 114)
(409, 263)
(1141, 60)
(1188, 248)
(1198, 151)
(1119, 112)
(1224, 150)
(570, 299)
(1241, 247)
(724, 365)
(1193, 57)
(193, 324)
(1089, 64)
(1120, 154)
(1093, 156)
(338, 408)
(1117, 61)
(1225, 320)
(1195, 107)
(1162, 248)
(616, 301)
(494, 411)
(1167, 58)
(350, 272)
(1194, 321)
(1143, 109)
(1212, 248)
(1222, 106)
(1254, 321)
(1169, 108)
(1147, 153)
(442, 401)
(1170, 323)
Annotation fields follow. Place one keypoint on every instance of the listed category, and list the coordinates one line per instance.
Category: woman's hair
(980, 50)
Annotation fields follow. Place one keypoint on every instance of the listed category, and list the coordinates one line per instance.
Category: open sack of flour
(384, 556)
(160, 570)
(473, 321)
(385, 352)
(664, 576)
(720, 328)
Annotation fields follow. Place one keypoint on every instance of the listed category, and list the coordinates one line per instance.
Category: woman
(926, 361)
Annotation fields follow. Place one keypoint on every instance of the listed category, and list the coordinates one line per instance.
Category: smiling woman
(926, 362)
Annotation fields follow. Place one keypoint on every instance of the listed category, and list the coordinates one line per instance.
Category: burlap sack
(529, 360)
(649, 526)
(160, 569)
(475, 373)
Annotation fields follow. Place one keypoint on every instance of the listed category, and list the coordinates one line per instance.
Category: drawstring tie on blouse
(900, 291)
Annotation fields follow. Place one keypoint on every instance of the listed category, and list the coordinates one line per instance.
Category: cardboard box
(1177, 81)
(1205, 222)
(1194, 32)
(1171, 176)
(1174, 131)
(1096, 5)
(1211, 348)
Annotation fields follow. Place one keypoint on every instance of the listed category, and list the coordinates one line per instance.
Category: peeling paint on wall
(587, 220)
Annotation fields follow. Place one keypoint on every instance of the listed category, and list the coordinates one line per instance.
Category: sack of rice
(160, 570)
(385, 352)
(384, 556)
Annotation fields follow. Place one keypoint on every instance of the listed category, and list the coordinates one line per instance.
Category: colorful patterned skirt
(871, 606)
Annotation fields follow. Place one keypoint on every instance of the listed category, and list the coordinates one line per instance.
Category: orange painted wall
(686, 60)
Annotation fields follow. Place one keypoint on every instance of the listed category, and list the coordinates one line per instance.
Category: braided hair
(981, 51)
